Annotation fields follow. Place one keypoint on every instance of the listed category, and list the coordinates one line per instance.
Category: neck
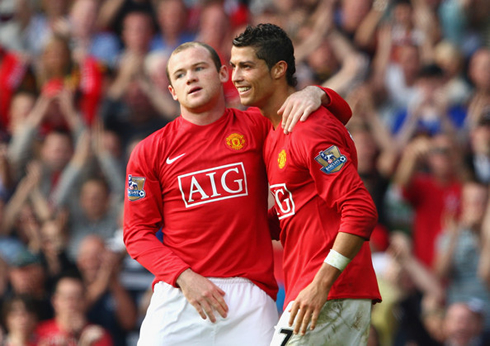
(17, 339)
(204, 115)
(274, 102)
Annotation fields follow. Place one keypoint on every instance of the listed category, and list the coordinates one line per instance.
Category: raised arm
(299, 106)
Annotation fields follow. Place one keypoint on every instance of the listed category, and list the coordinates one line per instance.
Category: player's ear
(279, 69)
(172, 92)
(224, 74)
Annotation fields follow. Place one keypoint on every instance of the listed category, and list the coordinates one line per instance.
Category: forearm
(423, 278)
(118, 88)
(12, 209)
(405, 170)
(347, 245)
(365, 34)
(19, 151)
(40, 205)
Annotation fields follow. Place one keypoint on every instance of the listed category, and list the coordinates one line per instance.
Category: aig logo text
(284, 200)
(213, 184)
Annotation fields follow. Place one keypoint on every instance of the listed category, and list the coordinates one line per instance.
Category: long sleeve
(143, 218)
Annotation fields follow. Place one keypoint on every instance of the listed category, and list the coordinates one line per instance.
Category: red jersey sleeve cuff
(337, 105)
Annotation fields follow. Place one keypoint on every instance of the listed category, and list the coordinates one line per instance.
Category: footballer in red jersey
(325, 213)
(202, 181)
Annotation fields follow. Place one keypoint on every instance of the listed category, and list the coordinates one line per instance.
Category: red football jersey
(49, 333)
(206, 187)
(318, 193)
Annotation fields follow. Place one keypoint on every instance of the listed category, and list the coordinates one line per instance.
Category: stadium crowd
(83, 81)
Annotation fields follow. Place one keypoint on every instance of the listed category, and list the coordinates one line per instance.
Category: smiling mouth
(243, 89)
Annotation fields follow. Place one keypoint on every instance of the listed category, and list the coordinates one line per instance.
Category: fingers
(292, 114)
(221, 305)
(208, 310)
(203, 310)
(293, 312)
(302, 317)
(211, 302)
(299, 322)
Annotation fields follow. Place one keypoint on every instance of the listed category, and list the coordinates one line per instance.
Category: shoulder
(155, 142)
(320, 124)
(46, 326)
(252, 116)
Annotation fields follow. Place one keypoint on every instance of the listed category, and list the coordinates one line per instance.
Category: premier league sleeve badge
(135, 188)
(331, 160)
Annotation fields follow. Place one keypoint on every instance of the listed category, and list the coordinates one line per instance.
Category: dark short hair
(431, 71)
(212, 52)
(26, 300)
(271, 44)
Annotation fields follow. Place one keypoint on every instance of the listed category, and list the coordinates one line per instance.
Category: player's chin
(246, 101)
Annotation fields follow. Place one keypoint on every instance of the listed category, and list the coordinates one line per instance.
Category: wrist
(337, 260)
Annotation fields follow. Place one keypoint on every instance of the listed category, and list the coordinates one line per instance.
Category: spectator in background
(21, 105)
(327, 57)
(86, 37)
(127, 110)
(98, 210)
(155, 83)
(48, 19)
(19, 318)
(58, 70)
(450, 58)
(477, 158)
(464, 23)
(16, 75)
(215, 30)
(57, 154)
(458, 255)
(70, 325)
(15, 16)
(432, 194)
(172, 17)
(394, 82)
(376, 150)
(6, 179)
(26, 209)
(53, 248)
(463, 325)
(405, 283)
(479, 75)
(28, 277)
(428, 112)
(113, 13)
(109, 304)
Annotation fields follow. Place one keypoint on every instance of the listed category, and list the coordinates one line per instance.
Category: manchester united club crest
(331, 160)
(235, 141)
(135, 188)
(281, 159)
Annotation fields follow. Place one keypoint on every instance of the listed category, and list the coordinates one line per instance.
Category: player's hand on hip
(299, 105)
(306, 308)
(203, 295)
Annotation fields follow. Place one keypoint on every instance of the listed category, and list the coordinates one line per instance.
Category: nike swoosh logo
(170, 161)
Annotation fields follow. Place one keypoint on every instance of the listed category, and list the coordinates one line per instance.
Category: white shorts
(342, 322)
(172, 320)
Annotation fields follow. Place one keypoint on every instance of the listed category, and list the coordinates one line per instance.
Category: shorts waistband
(229, 281)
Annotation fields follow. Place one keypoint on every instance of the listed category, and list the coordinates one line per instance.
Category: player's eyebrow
(182, 69)
(243, 63)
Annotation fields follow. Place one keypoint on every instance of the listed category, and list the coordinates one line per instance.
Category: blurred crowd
(83, 81)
